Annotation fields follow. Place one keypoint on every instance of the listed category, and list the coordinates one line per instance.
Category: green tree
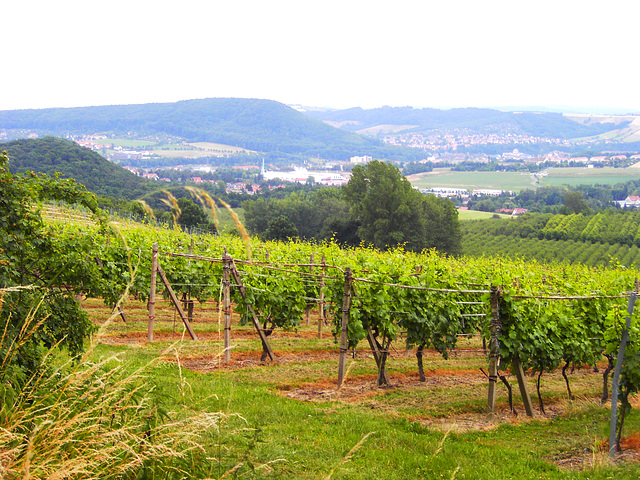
(574, 202)
(391, 212)
(40, 274)
(191, 215)
(281, 228)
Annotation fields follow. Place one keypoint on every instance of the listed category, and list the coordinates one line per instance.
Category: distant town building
(488, 191)
(632, 201)
(447, 192)
(363, 159)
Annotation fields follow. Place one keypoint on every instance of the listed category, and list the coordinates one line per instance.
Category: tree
(191, 215)
(391, 212)
(574, 202)
(281, 229)
(40, 274)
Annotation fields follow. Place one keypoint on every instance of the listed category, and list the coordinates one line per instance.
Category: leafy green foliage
(41, 271)
(391, 212)
(55, 155)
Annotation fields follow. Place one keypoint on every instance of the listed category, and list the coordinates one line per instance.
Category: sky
(338, 54)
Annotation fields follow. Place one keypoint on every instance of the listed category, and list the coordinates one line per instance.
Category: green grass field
(589, 176)
(472, 180)
(513, 181)
(477, 215)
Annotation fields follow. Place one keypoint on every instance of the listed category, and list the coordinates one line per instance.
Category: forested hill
(50, 155)
(259, 125)
(479, 120)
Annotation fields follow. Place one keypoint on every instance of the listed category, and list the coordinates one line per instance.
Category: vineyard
(550, 316)
(432, 339)
(597, 240)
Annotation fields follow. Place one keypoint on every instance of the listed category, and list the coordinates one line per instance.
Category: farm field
(478, 215)
(177, 150)
(582, 176)
(293, 422)
(513, 181)
(516, 181)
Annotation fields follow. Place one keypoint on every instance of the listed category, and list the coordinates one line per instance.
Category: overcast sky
(422, 53)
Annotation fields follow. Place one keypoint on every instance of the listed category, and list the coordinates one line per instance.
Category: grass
(444, 177)
(130, 143)
(298, 425)
(477, 215)
(589, 176)
(513, 181)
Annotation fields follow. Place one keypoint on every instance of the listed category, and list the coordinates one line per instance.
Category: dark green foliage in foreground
(52, 155)
(43, 270)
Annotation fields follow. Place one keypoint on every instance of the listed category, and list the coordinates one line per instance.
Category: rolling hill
(480, 120)
(50, 155)
(264, 126)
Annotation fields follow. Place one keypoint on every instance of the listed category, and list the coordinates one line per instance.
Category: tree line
(378, 206)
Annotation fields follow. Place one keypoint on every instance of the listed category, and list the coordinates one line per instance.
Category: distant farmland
(516, 181)
(472, 180)
(590, 176)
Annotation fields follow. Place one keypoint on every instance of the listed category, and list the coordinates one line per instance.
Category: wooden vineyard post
(344, 329)
(254, 318)
(186, 297)
(616, 374)
(522, 384)
(152, 292)
(321, 303)
(308, 307)
(494, 347)
(121, 312)
(226, 291)
(176, 303)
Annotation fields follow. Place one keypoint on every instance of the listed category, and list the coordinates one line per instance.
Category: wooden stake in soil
(152, 292)
(226, 292)
(176, 303)
(321, 303)
(307, 310)
(254, 318)
(494, 347)
(344, 329)
(613, 444)
(524, 389)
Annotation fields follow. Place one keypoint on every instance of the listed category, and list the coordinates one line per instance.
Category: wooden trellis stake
(263, 338)
(494, 347)
(321, 303)
(152, 292)
(176, 303)
(522, 384)
(307, 310)
(226, 292)
(344, 338)
(616, 374)
(494, 353)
